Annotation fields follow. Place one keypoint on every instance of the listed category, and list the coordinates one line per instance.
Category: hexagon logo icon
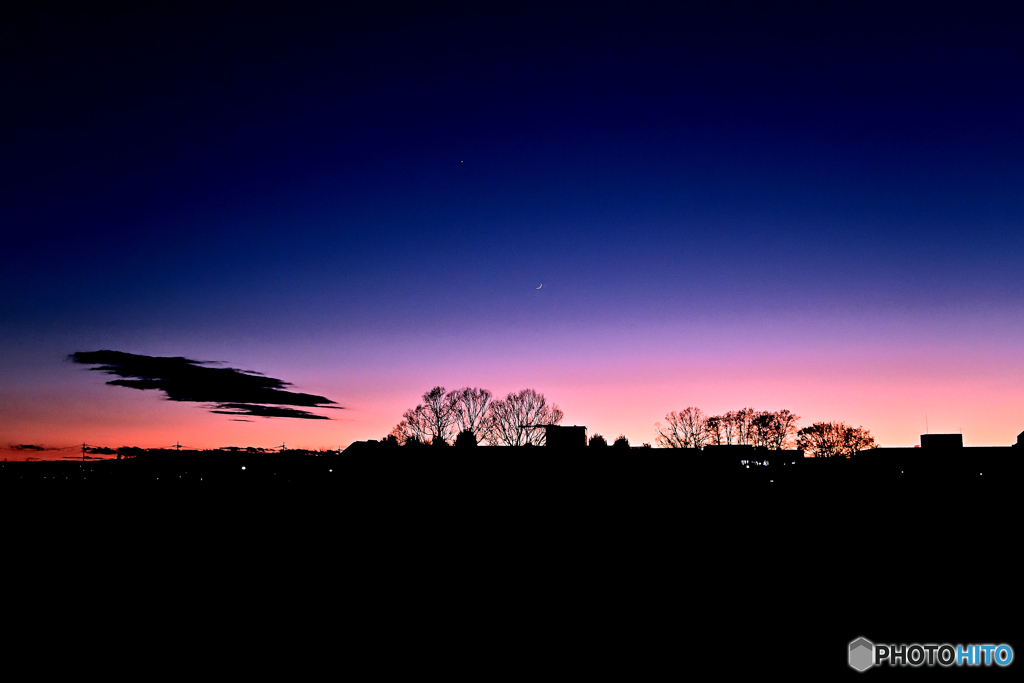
(862, 654)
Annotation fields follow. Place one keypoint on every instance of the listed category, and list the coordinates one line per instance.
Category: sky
(775, 205)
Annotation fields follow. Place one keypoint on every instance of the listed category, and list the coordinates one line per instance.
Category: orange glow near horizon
(626, 400)
(613, 381)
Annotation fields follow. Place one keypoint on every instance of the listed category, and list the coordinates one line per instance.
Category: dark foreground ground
(627, 566)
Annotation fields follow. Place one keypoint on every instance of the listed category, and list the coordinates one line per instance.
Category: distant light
(243, 467)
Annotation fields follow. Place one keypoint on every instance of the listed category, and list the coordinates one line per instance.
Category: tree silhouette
(685, 429)
(766, 429)
(716, 432)
(432, 421)
(759, 431)
(723, 430)
(742, 421)
(772, 430)
(440, 415)
(597, 441)
(513, 421)
(413, 427)
(470, 408)
(833, 440)
(621, 442)
(782, 428)
(857, 439)
(466, 439)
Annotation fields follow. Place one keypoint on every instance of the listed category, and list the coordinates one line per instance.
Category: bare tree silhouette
(742, 420)
(514, 420)
(470, 410)
(833, 440)
(766, 429)
(413, 427)
(722, 429)
(715, 426)
(685, 429)
(781, 429)
(432, 421)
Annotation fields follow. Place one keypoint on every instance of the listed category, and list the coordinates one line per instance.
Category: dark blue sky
(231, 178)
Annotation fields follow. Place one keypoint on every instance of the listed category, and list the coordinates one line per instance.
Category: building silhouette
(564, 436)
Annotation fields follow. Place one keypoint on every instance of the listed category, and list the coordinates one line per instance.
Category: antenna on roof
(926, 424)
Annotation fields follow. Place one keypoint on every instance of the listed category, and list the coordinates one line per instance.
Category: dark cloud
(231, 391)
(264, 411)
(29, 447)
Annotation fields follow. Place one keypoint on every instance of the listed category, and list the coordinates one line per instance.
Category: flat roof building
(942, 441)
(565, 436)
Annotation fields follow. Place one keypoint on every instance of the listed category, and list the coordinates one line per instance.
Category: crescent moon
(541, 285)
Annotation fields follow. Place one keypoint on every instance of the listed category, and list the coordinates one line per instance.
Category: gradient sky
(730, 205)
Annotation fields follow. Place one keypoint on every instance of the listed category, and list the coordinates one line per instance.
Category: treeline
(691, 428)
(472, 416)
